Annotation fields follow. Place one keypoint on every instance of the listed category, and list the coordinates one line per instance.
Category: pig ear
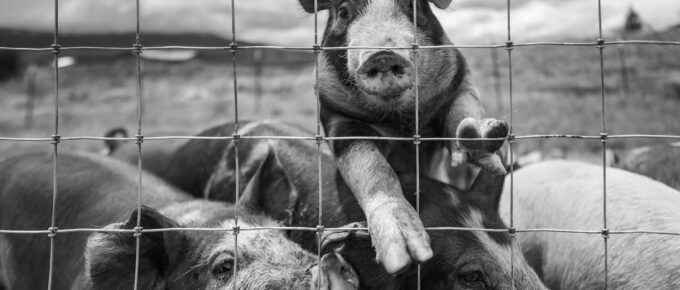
(270, 189)
(488, 187)
(251, 197)
(110, 257)
(441, 4)
(113, 145)
(308, 5)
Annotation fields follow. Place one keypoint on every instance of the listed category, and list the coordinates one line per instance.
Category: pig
(371, 92)
(155, 153)
(659, 162)
(568, 195)
(95, 191)
(280, 177)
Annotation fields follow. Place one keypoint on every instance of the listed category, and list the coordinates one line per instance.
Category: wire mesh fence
(233, 49)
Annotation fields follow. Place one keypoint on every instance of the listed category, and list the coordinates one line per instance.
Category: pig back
(569, 195)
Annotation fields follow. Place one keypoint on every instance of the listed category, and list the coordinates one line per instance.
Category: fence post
(258, 56)
(496, 73)
(31, 94)
(625, 87)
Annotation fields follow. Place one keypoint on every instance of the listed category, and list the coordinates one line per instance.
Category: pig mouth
(385, 74)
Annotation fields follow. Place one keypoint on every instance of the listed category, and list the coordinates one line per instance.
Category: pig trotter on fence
(398, 236)
(480, 153)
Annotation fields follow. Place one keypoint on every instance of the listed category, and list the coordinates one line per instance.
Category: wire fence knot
(140, 139)
(233, 47)
(415, 47)
(56, 139)
(511, 138)
(319, 230)
(235, 138)
(137, 48)
(318, 139)
(605, 233)
(56, 48)
(235, 230)
(138, 231)
(509, 45)
(600, 43)
(53, 231)
(604, 137)
(316, 48)
(512, 231)
(416, 139)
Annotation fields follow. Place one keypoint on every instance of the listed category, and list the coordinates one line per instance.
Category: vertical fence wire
(236, 137)
(416, 136)
(55, 143)
(513, 237)
(318, 139)
(140, 112)
(603, 136)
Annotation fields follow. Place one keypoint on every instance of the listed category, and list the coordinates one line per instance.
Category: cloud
(474, 21)
(283, 22)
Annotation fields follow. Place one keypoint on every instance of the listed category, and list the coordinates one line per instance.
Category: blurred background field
(556, 90)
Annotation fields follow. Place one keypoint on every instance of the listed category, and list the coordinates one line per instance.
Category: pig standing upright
(281, 178)
(371, 92)
(94, 191)
(569, 195)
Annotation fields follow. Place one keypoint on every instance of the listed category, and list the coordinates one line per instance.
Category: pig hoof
(398, 236)
(490, 162)
(335, 241)
(492, 128)
(470, 128)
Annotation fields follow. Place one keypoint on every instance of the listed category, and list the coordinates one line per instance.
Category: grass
(556, 91)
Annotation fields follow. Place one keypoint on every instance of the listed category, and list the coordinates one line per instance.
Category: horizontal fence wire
(330, 48)
(316, 138)
(315, 229)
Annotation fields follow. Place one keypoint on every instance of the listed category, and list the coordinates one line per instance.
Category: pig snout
(336, 274)
(385, 74)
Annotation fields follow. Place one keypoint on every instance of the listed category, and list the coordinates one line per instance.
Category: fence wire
(233, 49)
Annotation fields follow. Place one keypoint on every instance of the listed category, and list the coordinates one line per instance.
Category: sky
(283, 22)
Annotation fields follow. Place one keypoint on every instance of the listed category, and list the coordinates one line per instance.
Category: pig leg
(464, 121)
(396, 230)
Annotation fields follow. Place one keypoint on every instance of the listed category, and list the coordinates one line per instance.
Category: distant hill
(32, 39)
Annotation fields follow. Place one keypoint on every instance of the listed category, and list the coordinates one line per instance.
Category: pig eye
(471, 278)
(343, 12)
(223, 269)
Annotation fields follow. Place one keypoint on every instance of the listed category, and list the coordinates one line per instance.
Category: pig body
(659, 162)
(280, 177)
(95, 192)
(372, 92)
(568, 195)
